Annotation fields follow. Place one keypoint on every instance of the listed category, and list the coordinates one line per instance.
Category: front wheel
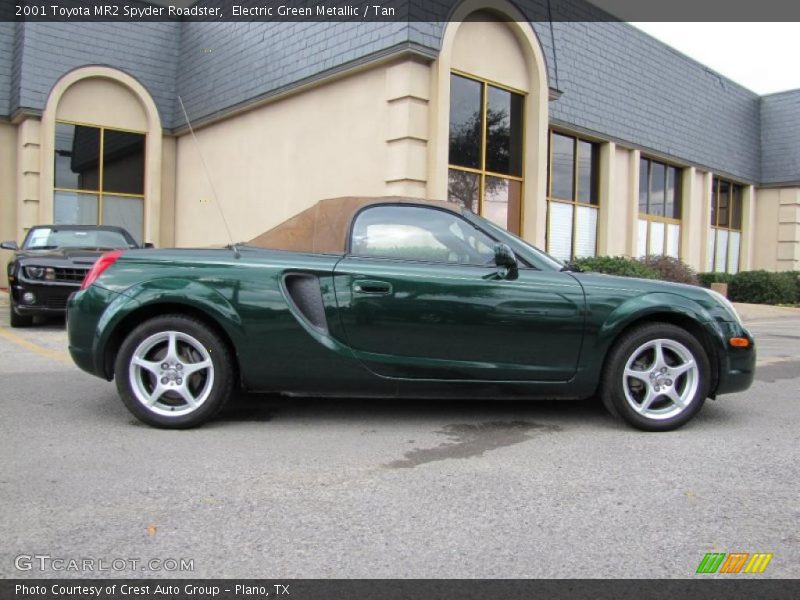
(656, 377)
(174, 372)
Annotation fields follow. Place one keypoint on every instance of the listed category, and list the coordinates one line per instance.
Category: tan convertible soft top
(324, 227)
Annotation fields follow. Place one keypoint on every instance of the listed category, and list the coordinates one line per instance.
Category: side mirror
(506, 261)
(9, 245)
(148, 245)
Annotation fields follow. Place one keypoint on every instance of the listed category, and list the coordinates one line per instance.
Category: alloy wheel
(171, 373)
(660, 379)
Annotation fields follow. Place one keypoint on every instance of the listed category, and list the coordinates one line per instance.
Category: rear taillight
(105, 261)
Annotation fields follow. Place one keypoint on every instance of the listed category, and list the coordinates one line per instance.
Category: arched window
(485, 156)
(101, 153)
(99, 177)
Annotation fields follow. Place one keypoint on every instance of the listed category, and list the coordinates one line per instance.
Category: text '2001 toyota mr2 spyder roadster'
(392, 297)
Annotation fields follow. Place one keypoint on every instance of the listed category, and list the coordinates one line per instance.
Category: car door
(419, 296)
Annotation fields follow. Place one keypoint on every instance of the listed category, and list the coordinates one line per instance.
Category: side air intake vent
(303, 290)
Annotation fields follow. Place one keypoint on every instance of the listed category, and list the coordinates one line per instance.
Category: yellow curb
(63, 357)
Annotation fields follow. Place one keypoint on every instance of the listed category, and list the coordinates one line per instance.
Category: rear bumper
(737, 366)
(85, 310)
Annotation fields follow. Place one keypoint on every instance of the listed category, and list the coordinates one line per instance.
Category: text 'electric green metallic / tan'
(391, 297)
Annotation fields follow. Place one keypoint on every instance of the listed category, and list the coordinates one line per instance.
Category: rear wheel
(174, 372)
(16, 320)
(656, 377)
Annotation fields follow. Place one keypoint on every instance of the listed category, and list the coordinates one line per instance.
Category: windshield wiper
(571, 267)
(40, 248)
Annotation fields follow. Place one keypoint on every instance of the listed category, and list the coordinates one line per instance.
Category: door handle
(373, 288)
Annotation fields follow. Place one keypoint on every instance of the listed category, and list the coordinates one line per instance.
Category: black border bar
(131, 11)
(730, 588)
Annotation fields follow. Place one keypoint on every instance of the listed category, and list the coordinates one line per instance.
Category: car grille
(71, 275)
(55, 302)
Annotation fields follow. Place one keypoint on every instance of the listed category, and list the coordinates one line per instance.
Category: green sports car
(393, 297)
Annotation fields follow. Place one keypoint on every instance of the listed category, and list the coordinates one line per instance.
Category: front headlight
(34, 272)
(728, 305)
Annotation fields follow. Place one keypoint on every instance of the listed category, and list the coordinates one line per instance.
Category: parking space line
(35, 348)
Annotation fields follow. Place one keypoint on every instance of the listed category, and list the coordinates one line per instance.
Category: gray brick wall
(250, 60)
(780, 137)
(147, 51)
(620, 82)
(7, 38)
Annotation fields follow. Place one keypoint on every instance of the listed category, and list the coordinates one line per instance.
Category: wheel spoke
(172, 347)
(191, 368)
(648, 400)
(658, 351)
(153, 367)
(156, 394)
(681, 369)
(673, 395)
(184, 392)
(640, 375)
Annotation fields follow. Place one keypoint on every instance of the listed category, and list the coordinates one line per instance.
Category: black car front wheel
(656, 377)
(174, 372)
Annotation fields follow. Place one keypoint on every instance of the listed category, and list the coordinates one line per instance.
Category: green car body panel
(398, 328)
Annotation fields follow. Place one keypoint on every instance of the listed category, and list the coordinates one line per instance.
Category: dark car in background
(51, 264)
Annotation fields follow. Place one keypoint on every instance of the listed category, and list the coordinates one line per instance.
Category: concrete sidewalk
(756, 312)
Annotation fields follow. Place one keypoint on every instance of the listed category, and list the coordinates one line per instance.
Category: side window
(420, 234)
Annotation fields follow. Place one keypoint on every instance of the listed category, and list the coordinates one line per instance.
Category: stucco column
(611, 215)
(789, 230)
(707, 183)
(692, 222)
(30, 211)
(407, 96)
(633, 203)
(748, 229)
(8, 193)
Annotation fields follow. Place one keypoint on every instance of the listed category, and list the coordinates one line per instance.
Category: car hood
(589, 279)
(60, 256)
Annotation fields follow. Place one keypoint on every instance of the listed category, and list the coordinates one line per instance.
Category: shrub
(794, 278)
(616, 265)
(762, 287)
(671, 269)
(706, 279)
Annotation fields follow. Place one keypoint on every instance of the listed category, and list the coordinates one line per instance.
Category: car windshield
(546, 258)
(42, 238)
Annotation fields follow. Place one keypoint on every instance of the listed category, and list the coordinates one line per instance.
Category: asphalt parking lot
(321, 488)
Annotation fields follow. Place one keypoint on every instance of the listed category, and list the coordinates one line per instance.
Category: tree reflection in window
(486, 144)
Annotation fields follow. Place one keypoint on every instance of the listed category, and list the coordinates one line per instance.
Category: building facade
(584, 137)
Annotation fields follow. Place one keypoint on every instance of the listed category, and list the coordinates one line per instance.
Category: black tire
(16, 320)
(662, 413)
(196, 343)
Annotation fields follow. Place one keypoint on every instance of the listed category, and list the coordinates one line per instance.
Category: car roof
(324, 227)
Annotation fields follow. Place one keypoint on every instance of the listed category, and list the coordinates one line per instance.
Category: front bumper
(50, 298)
(737, 366)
